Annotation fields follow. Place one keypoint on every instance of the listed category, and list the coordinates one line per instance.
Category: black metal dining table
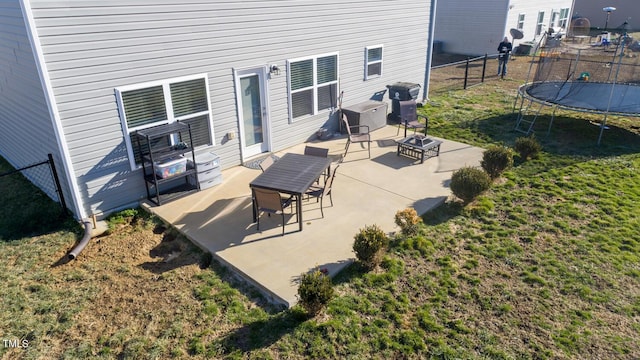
(292, 174)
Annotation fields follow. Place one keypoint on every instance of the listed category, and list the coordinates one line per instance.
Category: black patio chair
(409, 117)
(319, 192)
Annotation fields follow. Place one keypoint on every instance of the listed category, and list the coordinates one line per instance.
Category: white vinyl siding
(152, 104)
(373, 62)
(313, 85)
(91, 48)
(487, 22)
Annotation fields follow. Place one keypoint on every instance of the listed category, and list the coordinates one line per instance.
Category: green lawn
(545, 265)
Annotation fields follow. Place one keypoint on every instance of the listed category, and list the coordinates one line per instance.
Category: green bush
(495, 160)
(408, 221)
(369, 246)
(468, 182)
(315, 291)
(527, 147)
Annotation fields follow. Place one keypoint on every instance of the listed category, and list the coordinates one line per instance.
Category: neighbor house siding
(475, 28)
(91, 48)
(531, 10)
(471, 27)
(27, 133)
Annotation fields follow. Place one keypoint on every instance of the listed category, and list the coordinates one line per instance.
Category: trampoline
(582, 85)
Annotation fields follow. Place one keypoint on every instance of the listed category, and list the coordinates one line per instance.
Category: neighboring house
(78, 77)
(472, 27)
(626, 10)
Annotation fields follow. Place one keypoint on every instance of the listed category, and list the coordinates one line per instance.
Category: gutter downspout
(43, 74)
(85, 240)
(432, 30)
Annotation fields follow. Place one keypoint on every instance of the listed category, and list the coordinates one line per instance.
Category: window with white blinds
(373, 62)
(163, 102)
(313, 84)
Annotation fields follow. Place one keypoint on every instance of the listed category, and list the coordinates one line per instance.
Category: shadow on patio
(365, 192)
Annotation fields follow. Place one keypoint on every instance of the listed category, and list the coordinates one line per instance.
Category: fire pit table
(418, 147)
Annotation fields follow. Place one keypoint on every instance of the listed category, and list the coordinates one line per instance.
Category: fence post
(56, 180)
(484, 66)
(466, 74)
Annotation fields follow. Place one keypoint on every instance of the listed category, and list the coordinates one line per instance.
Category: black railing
(460, 74)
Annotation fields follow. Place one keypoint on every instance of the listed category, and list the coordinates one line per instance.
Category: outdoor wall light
(274, 70)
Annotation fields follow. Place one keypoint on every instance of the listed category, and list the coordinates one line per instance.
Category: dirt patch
(143, 277)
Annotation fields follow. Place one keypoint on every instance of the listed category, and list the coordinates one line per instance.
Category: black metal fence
(460, 74)
(45, 177)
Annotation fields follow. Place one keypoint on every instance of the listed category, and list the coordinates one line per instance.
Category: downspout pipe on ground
(88, 226)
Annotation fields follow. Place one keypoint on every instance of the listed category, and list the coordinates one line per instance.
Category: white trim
(165, 83)
(315, 85)
(540, 23)
(367, 62)
(41, 65)
(519, 23)
(262, 72)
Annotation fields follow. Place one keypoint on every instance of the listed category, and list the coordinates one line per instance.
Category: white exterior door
(253, 111)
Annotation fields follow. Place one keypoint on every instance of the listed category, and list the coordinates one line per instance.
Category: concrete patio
(366, 191)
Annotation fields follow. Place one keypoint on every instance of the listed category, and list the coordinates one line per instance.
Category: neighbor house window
(540, 23)
(313, 84)
(520, 25)
(373, 62)
(554, 19)
(564, 18)
(151, 104)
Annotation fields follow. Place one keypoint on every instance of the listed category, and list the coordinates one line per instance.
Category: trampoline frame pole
(613, 86)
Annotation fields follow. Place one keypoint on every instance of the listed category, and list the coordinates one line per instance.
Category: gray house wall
(471, 27)
(27, 134)
(90, 48)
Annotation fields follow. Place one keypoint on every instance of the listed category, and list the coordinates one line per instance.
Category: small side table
(418, 147)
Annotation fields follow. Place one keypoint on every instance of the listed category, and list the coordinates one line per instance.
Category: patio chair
(319, 192)
(359, 137)
(270, 202)
(316, 151)
(409, 117)
(264, 164)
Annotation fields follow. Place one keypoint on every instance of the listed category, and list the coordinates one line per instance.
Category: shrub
(315, 291)
(495, 160)
(369, 245)
(468, 182)
(527, 147)
(408, 221)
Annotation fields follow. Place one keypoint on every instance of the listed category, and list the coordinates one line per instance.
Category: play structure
(599, 81)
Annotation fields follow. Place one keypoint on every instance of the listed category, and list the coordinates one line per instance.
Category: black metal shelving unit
(160, 189)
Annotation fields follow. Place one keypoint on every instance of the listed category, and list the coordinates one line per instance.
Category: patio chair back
(362, 136)
(408, 111)
(321, 192)
(268, 161)
(409, 117)
(316, 151)
(271, 202)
